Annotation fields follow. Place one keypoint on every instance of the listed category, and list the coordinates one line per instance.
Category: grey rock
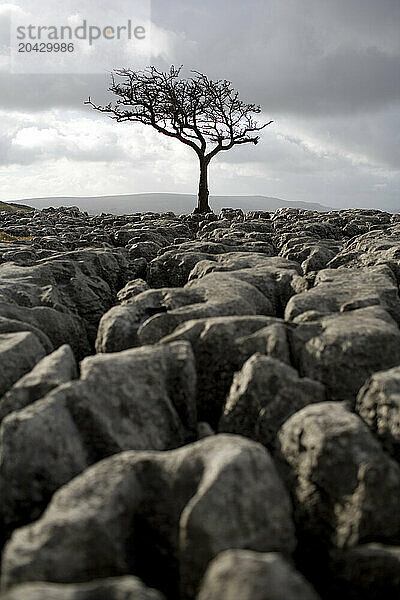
(223, 285)
(263, 395)
(257, 214)
(207, 227)
(123, 236)
(319, 256)
(232, 284)
(371, 249)
(80, 283)
(242, 238)
(156, 313)
(204, 430)
(173, 266)
(253, 576)
(369, 571)
(231, 213)
(113, 588)
(312, 253)
(19, 353)
(147, 250)
(118, 328)
(343, 350)
(151, 407)
(132, 289)
(348, 289)
(41, 449)
(345, 488)
(277, 278)
(137, 268)
(221, 345)
(156, 514)
(59, 327)
(378, 404)
(220, 295)
(271, 340)
(53, 370)
(154, 396)
(12, 325)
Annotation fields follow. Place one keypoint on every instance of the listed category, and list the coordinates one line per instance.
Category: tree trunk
(202, 205)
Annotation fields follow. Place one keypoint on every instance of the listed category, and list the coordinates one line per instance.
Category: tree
(204, 114)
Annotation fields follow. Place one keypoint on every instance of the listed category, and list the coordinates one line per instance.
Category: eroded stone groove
(200, 407)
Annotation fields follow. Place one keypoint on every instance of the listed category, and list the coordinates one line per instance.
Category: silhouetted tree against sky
(204, 114)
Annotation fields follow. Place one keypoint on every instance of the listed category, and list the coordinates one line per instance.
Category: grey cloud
(12, 153)
(298, 56)
(41, 92)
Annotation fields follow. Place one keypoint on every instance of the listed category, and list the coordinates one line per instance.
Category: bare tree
(204, 114)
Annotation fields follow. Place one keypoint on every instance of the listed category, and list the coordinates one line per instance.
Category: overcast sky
(326, 71)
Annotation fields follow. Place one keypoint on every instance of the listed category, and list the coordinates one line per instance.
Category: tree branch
(206, 115)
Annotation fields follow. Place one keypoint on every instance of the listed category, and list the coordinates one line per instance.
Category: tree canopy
(205, 114)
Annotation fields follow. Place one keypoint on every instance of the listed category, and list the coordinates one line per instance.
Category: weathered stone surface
(204, 430)
(378, 404)
(12, 325)
(113, 588)
(339, 290)
(58, 327)
(231, 213)
(149, 383)
(151, 407)
(221, 345)
(78, 286)
(342, 351)
(345, 488)
(132, 289)
(147, 250)
(239, 236)
(154, 514)
(232, 284)
(223, 285)
(271, 340)
(172, 266)
(118, 328)
(312, 253)
(156, 313)
(41, 449)
(215, 295)
(53, 370)
(19, 352)
(257, 214)
(369, 571)
(277, 278)
(263, 395)
(375, 247)
(253, 576)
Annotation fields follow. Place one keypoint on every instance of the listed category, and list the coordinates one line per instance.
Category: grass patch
(11, 239)
(12, 207)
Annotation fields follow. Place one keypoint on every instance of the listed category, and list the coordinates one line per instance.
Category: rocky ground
(200, 407)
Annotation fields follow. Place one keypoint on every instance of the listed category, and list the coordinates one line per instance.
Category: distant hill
(12, 207)
(177, 203)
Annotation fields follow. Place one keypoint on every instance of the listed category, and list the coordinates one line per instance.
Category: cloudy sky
(326, 71)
